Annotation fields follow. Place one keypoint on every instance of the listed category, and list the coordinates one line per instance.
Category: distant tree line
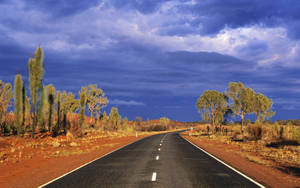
(237, 100)
(46, 109)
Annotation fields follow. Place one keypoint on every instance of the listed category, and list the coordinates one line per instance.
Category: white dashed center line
(160, 144)
(154, 176)
(157, 157)
(158, 149)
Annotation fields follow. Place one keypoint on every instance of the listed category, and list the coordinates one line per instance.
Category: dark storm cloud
(211, 16)
(253, 48)
(132, 66)
(61, 8)
(146, 6)
(167, 76)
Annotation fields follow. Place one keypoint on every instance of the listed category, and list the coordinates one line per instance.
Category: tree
(212, 105)
(104, 121)
(247, 106)
(242, 99)
(262, 107)
(50, 98)
(96, 100)
(36, 72)
(24, 104)
(6, 96)
(164, 121)
(125, 123)
(57, 126)
(68, 105)
(114, 118)
(41, 122)
(18, 103)
(83, 100)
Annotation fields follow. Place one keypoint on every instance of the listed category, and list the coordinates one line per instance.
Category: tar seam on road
(89, 163)
(164, 137)
(219, 160)
(154, 176)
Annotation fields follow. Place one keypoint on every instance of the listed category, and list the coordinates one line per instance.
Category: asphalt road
(146, 163)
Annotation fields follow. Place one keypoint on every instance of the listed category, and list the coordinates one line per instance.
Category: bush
(248, 122)
(255, 132)
(296, 134)
(277, 131)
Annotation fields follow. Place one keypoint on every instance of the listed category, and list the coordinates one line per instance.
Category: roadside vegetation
(39, 108)
(40, 118)
(275, 144)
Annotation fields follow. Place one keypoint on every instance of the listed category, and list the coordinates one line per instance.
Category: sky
(154, 58)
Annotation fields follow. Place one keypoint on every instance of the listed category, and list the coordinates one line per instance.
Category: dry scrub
(272, 145)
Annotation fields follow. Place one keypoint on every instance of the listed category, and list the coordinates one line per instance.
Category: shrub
(277, 131)
(255, 132)
(248, 122)
(296, 134)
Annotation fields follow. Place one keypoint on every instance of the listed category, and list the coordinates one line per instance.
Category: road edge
(222, 162)
(51, 181)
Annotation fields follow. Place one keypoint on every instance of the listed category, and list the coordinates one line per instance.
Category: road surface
(165, 160)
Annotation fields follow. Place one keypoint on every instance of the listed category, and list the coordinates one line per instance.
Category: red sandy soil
(43, 165)
(267, 175)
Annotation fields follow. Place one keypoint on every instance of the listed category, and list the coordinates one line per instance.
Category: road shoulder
(268, 175)
(39, 170)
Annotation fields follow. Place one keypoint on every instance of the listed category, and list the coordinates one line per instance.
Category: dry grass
(258, 160)
(270, 148)
(15, 149)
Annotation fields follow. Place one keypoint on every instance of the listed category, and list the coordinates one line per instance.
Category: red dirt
(37, 170)
(267, 175)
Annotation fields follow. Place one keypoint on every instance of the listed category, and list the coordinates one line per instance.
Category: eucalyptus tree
(104, 121)
(114, 118)
(36, 72)
(68, 105)
(18, 103)
(262, 107)
(6, 96)
(58, 110)
(164, 121)
(242, 100)
(125, 123)
(95, 100)
(83, 100)
(212, 105)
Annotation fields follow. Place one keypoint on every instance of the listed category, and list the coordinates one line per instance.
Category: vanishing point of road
(165, 160)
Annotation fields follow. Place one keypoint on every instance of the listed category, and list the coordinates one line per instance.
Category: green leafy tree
(262, 107)
(242, 100)
(58, 110)
(50, 98)
(18, 103)
(212, 105)
(68, 105)
(96, 100)
(6, 96)
(104, 121)
(83, 100)
(247, 103)
(36, 72)
(125, 123)
(164, 121)
(114, 118)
